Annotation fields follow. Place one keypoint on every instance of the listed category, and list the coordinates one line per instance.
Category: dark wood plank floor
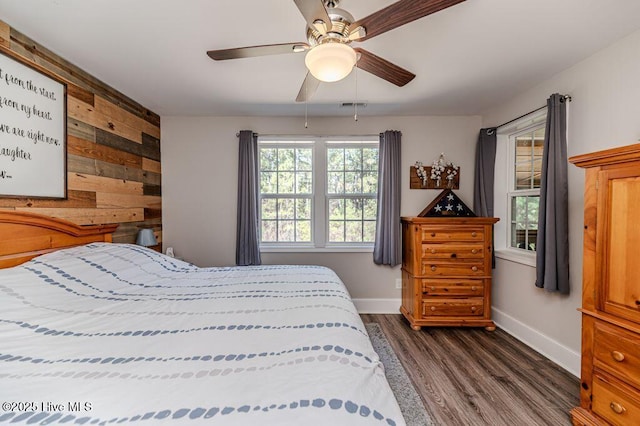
(468, 376)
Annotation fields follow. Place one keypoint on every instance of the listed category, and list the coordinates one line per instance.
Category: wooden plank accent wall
(113, 150)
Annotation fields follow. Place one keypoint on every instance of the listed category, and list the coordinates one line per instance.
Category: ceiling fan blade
(315, 14)
(252, 51)
(398, 14)
(309, 87)
(383, 68)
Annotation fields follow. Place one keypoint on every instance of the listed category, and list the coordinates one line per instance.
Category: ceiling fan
(331, 30)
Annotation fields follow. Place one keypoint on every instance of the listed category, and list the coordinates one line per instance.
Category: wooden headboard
(24, 236)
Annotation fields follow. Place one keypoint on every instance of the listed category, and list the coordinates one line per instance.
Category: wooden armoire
(610, 372)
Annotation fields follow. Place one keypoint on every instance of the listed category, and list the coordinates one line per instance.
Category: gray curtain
(484, 178)
(247, 244)
(387, 249)
(552, 245)
(485, 170)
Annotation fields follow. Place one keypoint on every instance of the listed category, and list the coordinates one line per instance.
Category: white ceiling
(466, 58)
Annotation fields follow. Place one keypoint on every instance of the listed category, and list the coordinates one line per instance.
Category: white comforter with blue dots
(116, 333)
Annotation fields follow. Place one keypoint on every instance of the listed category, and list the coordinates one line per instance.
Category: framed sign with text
(33, 129)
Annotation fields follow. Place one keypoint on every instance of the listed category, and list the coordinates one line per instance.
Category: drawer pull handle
(618, 356)
(473, 309)
(433, 268)
(474, 288)
(433, 288)
(433, 308)
(474, 251)
(474, 269)
(433, 234)
(617, 408)
(474, 234)
(433, 251)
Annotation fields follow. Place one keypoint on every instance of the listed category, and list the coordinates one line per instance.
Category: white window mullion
(319, 190)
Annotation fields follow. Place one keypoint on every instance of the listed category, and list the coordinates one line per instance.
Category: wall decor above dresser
(610, 371)
(441, 174)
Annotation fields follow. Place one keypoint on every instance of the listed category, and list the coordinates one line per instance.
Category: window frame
(513, 192)
(504, 186)
(287, 144)
(328, 197)
(319, 197)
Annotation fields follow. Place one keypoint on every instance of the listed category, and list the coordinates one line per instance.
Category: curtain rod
(312, 136)
(565, 97)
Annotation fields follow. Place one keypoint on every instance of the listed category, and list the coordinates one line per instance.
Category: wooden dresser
(610, 382)
(446, 271)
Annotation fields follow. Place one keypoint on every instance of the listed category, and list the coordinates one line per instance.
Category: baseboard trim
(555, 351)
(377, 306)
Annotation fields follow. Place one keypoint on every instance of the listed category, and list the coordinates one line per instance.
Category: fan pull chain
(355, 104)
(306, 103)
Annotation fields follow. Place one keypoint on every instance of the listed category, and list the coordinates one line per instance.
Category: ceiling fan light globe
(330, 62)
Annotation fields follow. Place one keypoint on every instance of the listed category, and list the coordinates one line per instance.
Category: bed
(97, 333)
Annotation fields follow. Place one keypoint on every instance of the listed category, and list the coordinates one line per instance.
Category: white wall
(199, 175)
(605, 113)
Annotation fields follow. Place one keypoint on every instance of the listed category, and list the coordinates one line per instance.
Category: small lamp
(146, 238)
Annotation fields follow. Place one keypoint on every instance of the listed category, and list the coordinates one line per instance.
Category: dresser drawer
(614, 402)
(466, 269)
(431, 234)
(617, 351)
(453, 251)
(453, 288)
(453, 307)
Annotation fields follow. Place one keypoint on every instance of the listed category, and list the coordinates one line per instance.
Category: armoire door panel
(620, 192)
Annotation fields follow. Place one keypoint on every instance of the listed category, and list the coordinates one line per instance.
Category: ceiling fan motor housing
(339, 30)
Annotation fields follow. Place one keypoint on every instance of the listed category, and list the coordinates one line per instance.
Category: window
(318, 193)
(352, 188)
(286, 192)
(517, 187)
(524, 197)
